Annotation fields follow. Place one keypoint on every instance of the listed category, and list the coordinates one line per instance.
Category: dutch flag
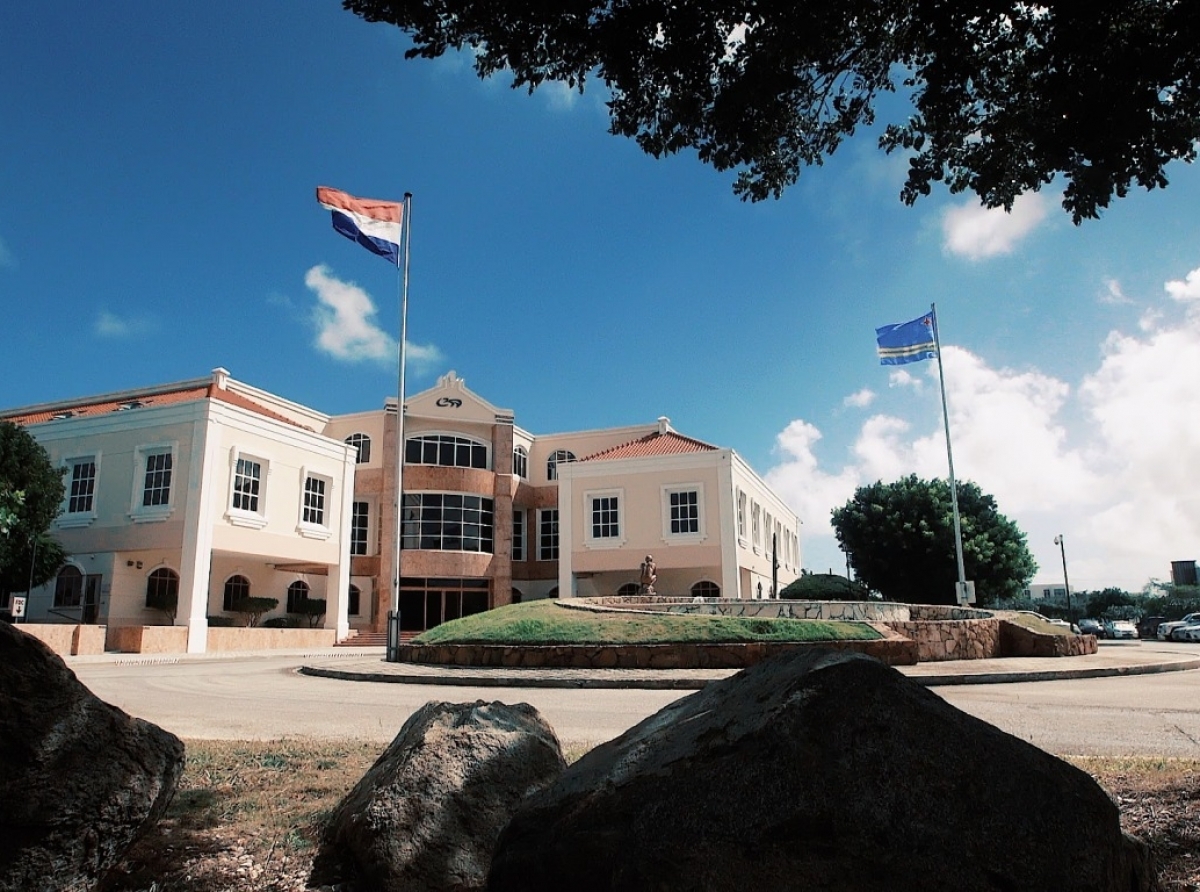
(373, 224)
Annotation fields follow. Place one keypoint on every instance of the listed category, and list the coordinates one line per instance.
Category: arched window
(560, 456)
(629, 588)
(446, 450)
(236, 588)
(520, 462)
(362, 443)
(553, 592)
(162, 586)
(353, 599)
(516, 596)
(68, 589)
(706, 589)
(297, 595)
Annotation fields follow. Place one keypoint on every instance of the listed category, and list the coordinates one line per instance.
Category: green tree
(1004, 95)
(1098, 603)
(31, 495)
(312, 609)
(900, 538)
(254, 608)
(824, 587)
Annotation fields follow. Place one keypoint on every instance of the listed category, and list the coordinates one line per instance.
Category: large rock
(427, 814)
(79, 779)
(818, 771)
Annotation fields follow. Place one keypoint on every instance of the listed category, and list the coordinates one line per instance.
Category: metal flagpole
(400, 406)
(958, 550)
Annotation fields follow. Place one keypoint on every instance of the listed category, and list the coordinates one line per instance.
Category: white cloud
(970, 230)
(1119, 483)
(1113, 294)
(1187, 290)
(904, 378)
(860, 400)
(110, 325)
(346, 329)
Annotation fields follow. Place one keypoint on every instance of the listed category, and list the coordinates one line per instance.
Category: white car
(1165, 629)
(1186, 633)
(1120, 628)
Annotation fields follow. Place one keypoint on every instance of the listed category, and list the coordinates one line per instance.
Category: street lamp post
(1062, 548)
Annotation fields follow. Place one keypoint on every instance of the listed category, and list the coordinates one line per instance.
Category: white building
(220, 491)
(210, 487)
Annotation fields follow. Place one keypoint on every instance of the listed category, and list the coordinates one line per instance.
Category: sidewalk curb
(688, 683)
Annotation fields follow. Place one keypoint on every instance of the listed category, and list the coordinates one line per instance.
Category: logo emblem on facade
(449, 401)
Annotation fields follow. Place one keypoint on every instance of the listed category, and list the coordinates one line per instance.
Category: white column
(196, 561)
(731, 579)
(566, 584)
(337, 586)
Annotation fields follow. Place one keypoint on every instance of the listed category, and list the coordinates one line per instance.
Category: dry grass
(247, 815)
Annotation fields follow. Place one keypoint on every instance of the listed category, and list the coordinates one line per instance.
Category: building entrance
(428, 602)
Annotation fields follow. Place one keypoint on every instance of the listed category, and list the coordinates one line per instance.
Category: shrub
(312, 609)
(220, 620)
(254, 608)
(284, 622)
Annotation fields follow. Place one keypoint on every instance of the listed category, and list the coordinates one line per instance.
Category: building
(495, 514)
(220, 490)
(1048, 591)
(209, 489)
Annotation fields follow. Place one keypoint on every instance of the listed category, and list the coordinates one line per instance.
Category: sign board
(965, 592)
(18, 606)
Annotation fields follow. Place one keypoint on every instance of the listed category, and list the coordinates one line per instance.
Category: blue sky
(157, 219)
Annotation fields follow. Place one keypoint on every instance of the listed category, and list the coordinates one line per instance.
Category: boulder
(426, 815)
(818, 770)
(79, 778)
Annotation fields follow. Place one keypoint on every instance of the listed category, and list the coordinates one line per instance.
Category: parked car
(1120, 628)
(1148, 626)
(1091, 626)
(1165, 629)
(1186, 633)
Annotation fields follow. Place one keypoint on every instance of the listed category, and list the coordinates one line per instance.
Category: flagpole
(403, 285)
(958, 549)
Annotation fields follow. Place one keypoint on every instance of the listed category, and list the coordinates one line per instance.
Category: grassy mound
(544, 622)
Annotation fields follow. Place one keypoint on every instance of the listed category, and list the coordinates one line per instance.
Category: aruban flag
(907, 342)
(373, 224)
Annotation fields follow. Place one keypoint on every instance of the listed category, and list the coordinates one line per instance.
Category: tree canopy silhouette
(1005, 96)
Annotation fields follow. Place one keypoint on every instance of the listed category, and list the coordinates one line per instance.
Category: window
(314, 501)
(353, 600)
(154, 468)
(520, 462)
(359, 524)
(83, 486)
(684, 512)
(756, 519)
(628, 589)
(362, 445)
(162, 586)
(560, 456)
(297, 594)
(449, 521)
(445, 451)
(605, 516)
(548, 534)
(157, 489)
(247, 484)
(706, 589)
(236, 588)
(741, 509)
(68, 588)
(518, 536)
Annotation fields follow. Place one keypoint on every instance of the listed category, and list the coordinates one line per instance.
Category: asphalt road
(264, 698)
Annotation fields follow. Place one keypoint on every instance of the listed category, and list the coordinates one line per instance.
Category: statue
(649, 575)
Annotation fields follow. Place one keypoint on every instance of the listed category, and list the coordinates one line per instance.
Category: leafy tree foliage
(312, 609)
(900, 538)
(1173, 602)
(1005, 95)
(824, 587)
(32, 491)
(1099, 602)
(253, 608)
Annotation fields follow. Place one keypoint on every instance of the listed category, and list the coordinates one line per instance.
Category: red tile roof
(656, 443)
(134, 402)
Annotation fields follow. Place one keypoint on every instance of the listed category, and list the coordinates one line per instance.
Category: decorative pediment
(450, 399)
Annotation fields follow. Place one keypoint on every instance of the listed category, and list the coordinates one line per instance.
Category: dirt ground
(247, 816)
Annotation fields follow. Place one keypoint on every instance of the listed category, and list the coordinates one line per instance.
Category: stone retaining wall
(893, 650)
(226, 638)
(968, 639)
(845, 611)
(1017, 641)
